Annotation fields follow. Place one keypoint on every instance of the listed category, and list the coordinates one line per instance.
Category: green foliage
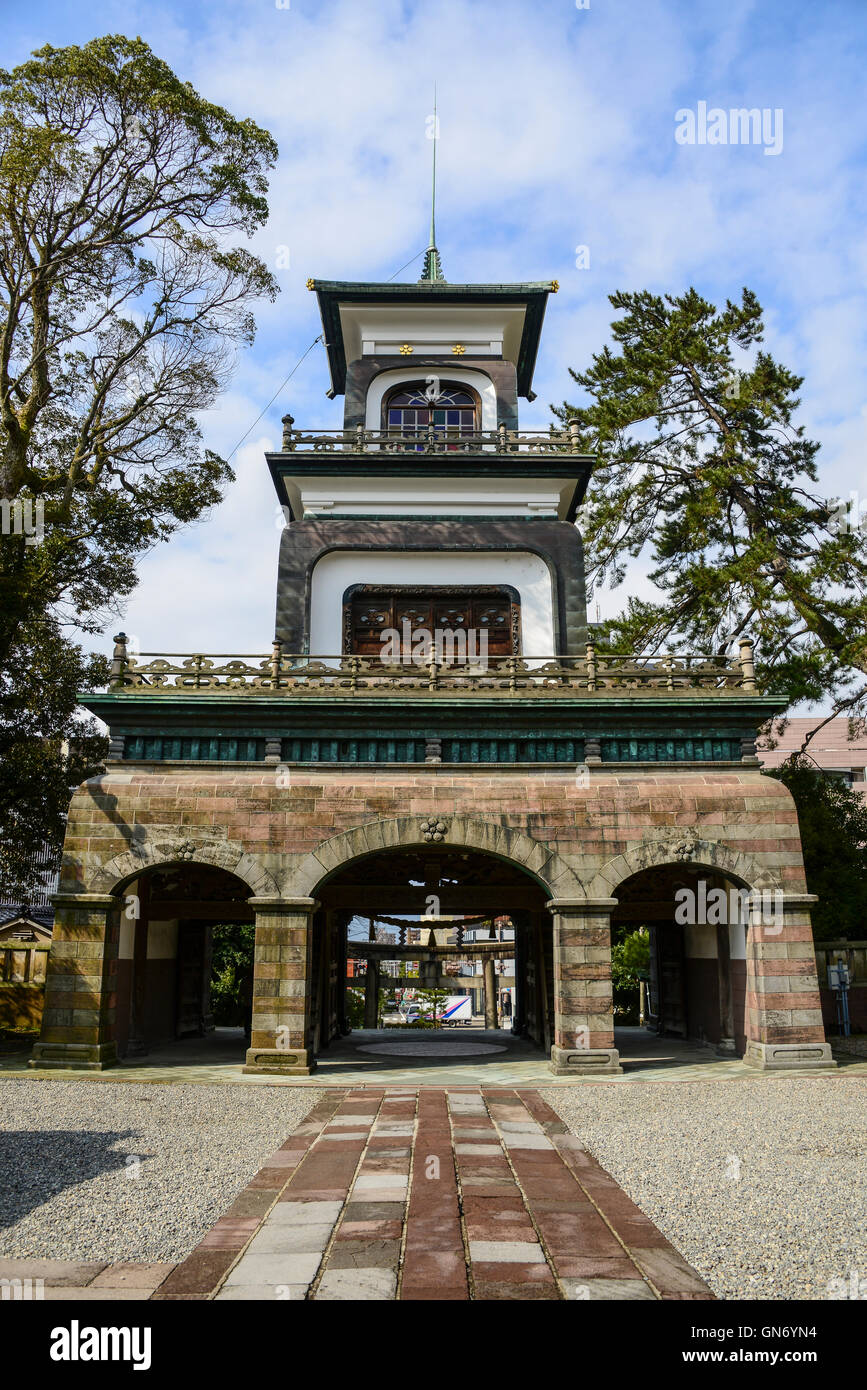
(355, 1008)
(44, 749)
(833, 823)
(232, 974)
(702, 467)
(430, 1001)
(122, 303)
(630, 962)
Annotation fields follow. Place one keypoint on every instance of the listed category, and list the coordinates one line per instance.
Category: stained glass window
(412, 410)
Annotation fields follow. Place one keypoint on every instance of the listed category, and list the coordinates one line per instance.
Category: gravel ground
(94, 1171)
(759, 1184)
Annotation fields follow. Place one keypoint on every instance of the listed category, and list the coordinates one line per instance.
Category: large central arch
(550, 869)
(441, 916)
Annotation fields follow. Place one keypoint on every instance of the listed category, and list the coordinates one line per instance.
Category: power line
(319, 339)
(283, 383)
(403, 267)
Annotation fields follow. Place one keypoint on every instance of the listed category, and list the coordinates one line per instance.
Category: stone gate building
(433, 719)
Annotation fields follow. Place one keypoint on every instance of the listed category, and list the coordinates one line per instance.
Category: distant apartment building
(831, 750)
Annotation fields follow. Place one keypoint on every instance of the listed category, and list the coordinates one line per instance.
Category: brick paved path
(433, 1194)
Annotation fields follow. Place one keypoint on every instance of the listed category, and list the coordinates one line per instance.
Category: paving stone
(436, 1266)
(281, 1239)
(497, 1228)
(275, 1269)
(434, 1293)
(369, 1187)
(357, 1284)
(494, 1272)
(584, 1267)
(54, 1273)
(57, 1294)
(381, 1183)
(669, 1271)
(506, 1252)
(249, 1203)
(527, 1141)
(365, 1254)
(197, 1276)
(590, 1289)
(373, 1230)
(373, 1211)
(488, 1187)
(266, 1293)
(132, 1276)
(305, 1213)
(490, 1291)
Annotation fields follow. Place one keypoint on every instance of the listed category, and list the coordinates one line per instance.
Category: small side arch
(123, 868)
(688, 851)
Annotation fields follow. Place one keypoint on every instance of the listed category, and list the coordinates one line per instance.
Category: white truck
(458, 1008)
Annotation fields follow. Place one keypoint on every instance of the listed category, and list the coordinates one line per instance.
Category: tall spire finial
(432, 269)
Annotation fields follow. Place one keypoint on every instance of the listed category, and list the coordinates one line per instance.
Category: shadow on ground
(38, 1164)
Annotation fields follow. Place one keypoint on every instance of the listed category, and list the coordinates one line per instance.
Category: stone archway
(80, 1018)
(687, 850)
(782, 1013)
(283, 1008)
(550, 869)
(111, 877)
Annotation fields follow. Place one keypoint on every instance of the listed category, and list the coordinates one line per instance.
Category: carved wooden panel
(369, 612)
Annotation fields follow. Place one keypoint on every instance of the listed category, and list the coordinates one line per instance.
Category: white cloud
(557, 130)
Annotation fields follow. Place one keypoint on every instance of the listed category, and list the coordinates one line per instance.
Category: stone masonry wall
(579, 842)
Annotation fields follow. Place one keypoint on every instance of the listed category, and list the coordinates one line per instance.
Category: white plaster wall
(433, 328)
(469, 496)
(127, 938)
(737, 941)
(527, 573)
(386, 380)
(162, 940)
(699, 942)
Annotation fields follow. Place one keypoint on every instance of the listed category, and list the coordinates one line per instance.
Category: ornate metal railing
(288, 674)
(432, 439)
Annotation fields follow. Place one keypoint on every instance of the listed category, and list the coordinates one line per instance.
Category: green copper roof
(533, 295)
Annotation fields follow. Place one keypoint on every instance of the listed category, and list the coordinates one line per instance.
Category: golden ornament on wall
(458, 349)
(311, 284)
(405, 349)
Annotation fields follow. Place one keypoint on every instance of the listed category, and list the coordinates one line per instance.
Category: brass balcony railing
(295, 676)
(433, 439)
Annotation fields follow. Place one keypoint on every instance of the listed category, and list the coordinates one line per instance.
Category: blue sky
(557, 130)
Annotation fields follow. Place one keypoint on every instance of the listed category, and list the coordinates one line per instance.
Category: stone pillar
(583, 1006)
(371, 993)
(784, 1011)
(490, 993)
(280, 1040)
(81, 985)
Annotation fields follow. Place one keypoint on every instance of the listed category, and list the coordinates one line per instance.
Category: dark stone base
(275, 1061)
(73, 1056)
